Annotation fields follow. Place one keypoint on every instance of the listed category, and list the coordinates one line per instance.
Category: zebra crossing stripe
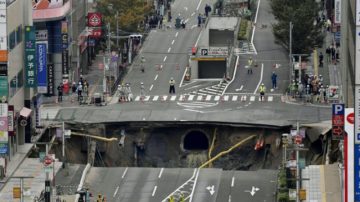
(226, 98)
(182, 97)
(191, 97)
(252, 98)
(217, 98)
(137, 98)
(270, 98)
(164, 97)
(155, 98)
(199, 98)
(234, 98)
(173, 98)
(208, 97)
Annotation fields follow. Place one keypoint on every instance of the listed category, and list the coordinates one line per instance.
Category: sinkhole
(196, 140)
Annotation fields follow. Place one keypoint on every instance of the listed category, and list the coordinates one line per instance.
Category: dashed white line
(116, 190)
(161, 171)
(232, 181)
(176, 34)
(156, 77)
(192, 14)
(186, 20)
(124, 173)
(169, 49)
(229, 198)
(153, 193)
(198, 6)
(151, 87)
(173, 41)
(165, 58)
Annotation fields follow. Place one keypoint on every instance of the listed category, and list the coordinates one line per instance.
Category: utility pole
(106, 63)
(63, 144)
(117, 29)
(290, 51)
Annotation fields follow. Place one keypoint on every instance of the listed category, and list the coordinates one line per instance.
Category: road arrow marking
(253, 190)
(239, 89)
(211, 189)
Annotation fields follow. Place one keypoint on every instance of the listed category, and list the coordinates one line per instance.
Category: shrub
(242, 35)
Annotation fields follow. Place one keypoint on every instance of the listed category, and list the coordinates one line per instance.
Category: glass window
(19, 34)
(16, 83)
(12, 40)
(20, 79)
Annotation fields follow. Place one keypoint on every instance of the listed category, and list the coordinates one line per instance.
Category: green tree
(306, 34)
(131, 13)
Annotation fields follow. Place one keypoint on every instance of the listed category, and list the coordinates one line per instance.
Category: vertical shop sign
(11, 116)
(41, 63)
(30, 65)
(51, 82)
(3, 89)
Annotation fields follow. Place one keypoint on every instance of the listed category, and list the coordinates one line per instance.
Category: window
(19, 34)
(16, 83)
(12, 40)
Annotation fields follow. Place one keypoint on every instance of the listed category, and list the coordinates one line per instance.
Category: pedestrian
(262, 90)
(328, 54)
(207, 10)
(321, 94)
(300, 89)
(172, 86)
(143, 64)
(73, 87)
(273, 80)
(60, 89)
(142, 90)
(308, 93)
(79, 91)
(160, 21)
(250, 64)
(86, 87)
(81, 80)
(321, 60)
(199, 18)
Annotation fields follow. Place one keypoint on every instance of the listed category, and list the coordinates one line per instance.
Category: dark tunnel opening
(196, 140)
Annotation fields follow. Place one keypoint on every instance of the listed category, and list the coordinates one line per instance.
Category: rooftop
(222, 23)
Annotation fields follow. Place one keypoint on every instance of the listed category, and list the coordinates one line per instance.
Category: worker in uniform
(262, 90)
(172, 86)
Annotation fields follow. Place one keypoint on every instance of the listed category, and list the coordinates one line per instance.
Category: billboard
(4, 87)
(3, 32)
(45, 4)
(41, 64)
(51, 81)
(30, 65)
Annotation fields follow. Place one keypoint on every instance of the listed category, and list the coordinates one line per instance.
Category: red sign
(337, 131)
(47, 160)
(338, 120)
(94, 19)
(350, 118)
(95, 33)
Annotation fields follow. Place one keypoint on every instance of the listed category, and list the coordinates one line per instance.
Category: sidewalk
(330, 73)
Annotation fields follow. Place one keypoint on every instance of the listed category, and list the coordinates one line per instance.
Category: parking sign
(338, 111)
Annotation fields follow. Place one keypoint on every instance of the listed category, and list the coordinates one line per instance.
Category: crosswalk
(205, 98)
(213, 90)
(245, 48)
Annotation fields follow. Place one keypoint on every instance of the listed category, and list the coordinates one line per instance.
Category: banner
(65, 62)
(11, 117)
(4, 123)
(41, 63)
(51, 81)
(30, 65)
(337, 11)
(3, 32)
(3, 70)
(4, 89)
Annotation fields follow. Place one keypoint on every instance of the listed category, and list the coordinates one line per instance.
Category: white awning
(25, 112)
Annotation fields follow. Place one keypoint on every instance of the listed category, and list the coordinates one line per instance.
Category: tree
(306, 33)
(131, 13)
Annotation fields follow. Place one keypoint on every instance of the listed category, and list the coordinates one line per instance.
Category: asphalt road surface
(155, 184)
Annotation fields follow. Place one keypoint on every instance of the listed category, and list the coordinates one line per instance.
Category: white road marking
(192, 14)
(173, 41)
(194, 186)
(161, 66)
(151, 87)
(226, 98)
(198, 6)
(186, 20)
(261, 77)
(173, 98)
(156, 97)
(147, 98)
(161, 171)
(186, 8)
(169, 49)
(156, 77)
(252, 98)
(191, 97)
(208, 97)
(153, 193)
(232, 181)
(239, 89)
(192, 87)
(192, 27)
(116, 190)
(217, 98)
(176, 34)
(165, 58)
(229, 198)
(137, 98)
(199, 98)
(270, 98)
(197, 40)
(182, 97)
(234, 98)
(124, 173)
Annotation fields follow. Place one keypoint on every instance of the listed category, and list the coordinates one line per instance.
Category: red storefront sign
(94, 19)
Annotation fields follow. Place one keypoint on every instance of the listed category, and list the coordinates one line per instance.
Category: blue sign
(41, 64)
(356, 172)
(338, 109)
(3, 148)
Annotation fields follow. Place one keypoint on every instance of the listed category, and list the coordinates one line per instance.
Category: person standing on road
(199, 18)
(60, 92)
(262, 90)
(273, 80)
(79, 91)
(172, 86)
(142, 90)
(250, 64)
(321, 60)
(143, 64)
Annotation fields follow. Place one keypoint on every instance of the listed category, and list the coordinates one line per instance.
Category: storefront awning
(25, 112)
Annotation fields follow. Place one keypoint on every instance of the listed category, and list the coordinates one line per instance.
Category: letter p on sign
(338, 109)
